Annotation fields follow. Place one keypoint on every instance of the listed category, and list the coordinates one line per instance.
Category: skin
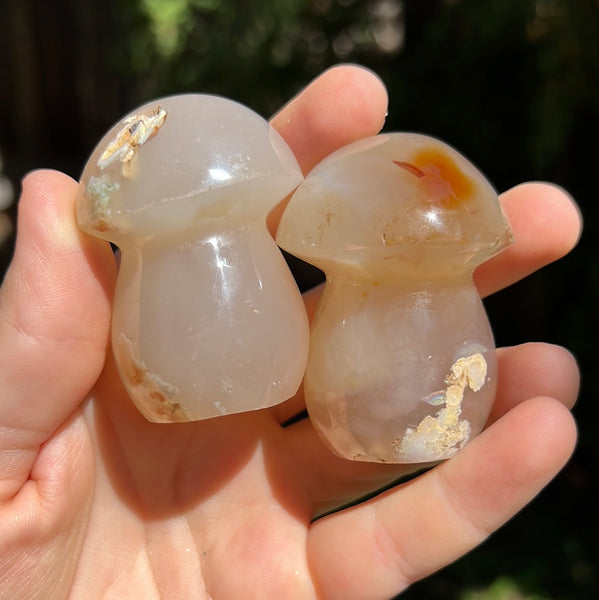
(95, 502)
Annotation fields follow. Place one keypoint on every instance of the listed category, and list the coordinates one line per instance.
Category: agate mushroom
(207, 318)
(402, 363)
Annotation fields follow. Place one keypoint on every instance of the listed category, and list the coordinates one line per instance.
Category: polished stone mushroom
(207, 318)
(402, 363)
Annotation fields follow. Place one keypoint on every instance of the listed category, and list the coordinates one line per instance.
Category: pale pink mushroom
(207, 318)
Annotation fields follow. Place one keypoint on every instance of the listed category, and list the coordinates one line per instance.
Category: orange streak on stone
(441, 178)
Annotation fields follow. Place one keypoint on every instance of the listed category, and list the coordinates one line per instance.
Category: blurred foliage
(514, 84)
(501, 589)
(260, 52)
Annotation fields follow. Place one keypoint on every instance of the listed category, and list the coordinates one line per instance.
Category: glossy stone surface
(402, 363)
(207, 318)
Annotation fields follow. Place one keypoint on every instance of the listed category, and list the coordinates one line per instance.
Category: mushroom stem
(236, 346)
(380, 356)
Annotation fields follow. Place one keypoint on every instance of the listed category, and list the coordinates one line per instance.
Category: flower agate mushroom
(402, 362)
(207, 318)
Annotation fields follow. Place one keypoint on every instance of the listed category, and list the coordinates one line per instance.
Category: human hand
(96, 502)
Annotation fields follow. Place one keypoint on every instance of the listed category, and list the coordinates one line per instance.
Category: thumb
(54, 322)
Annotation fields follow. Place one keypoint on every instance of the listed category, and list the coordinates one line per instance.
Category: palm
(205, 496)
(100, 503)
(197, 498)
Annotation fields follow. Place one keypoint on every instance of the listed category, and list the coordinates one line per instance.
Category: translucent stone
(402, 362)
(207, 318)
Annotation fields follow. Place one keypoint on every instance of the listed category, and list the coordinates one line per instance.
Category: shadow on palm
(163, 470)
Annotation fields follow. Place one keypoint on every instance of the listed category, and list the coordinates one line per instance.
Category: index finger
(344, 104)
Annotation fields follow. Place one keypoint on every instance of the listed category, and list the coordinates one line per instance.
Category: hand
(95, 502)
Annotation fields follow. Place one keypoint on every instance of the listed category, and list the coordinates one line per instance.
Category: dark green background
(513, 84)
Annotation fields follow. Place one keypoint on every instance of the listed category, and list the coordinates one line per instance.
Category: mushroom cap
(183, 160)
(394, 201)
